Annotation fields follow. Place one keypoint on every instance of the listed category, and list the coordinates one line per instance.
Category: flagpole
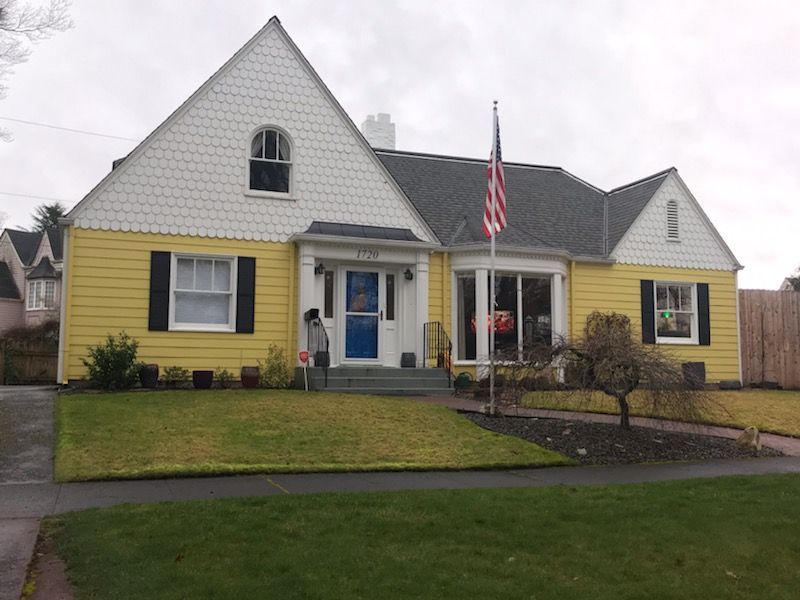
(492, 275)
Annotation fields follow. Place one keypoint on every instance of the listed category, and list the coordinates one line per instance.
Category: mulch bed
(606, 444)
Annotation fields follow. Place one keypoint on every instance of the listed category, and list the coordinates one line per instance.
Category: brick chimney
(379, 131)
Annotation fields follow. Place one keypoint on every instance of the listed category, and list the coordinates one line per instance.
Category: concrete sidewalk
(34, 500)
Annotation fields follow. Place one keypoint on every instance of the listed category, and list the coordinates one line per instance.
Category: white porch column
(306, 292)
(558, 325)
(421, 277)
(481, 323)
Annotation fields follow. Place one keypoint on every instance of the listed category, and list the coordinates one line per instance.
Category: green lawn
(770, 410)
(181, 433)
(715, 538)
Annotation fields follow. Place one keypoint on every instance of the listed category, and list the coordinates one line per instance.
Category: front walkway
(788, 446)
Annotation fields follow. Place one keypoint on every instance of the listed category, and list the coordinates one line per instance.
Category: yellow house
(258, 213)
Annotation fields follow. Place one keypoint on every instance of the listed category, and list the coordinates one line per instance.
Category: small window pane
(284, 152)
(222, 276)
(661, 297)
(194, 307)
(677, 325)
(202, 274)
(686, 297)
(536, 312)
(328, 294)
(390, 297)
(673, 295)
(465, 290)
(185, 276)
(257, 145)
(269, 176)
(49, 294)
(270, 144)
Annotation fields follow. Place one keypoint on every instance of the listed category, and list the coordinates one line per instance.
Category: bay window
(523, 313)
(41, 294)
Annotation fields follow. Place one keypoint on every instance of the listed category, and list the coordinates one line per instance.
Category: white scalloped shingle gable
(699, 245)
(190, 176)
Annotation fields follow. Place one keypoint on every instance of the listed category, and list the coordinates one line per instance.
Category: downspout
(62, 324)
(739, 327)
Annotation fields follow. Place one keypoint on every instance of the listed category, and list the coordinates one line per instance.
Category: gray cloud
(610, 90)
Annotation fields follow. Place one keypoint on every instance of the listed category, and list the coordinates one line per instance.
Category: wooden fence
(28, 362)
(770, 334)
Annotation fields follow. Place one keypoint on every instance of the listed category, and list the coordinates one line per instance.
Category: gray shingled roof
(44, 270)
(54, 237)
(8, 289)
(362, 231)
(26, 243)
(548, 207)
(626, 202)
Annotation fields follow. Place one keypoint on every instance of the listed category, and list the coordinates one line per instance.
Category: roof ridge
(482, 161)
(641, 181)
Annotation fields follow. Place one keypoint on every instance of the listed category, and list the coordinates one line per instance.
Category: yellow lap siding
(108, 291)
(617, 288)
(439, 289)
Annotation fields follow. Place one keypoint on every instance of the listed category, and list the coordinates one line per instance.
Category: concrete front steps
(378, 380)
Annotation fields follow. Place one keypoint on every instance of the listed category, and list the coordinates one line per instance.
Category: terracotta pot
(202, 380)
(249, 377)
(148, 376)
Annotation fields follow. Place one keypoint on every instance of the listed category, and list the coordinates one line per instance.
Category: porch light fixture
(319, 269)
(408, 274)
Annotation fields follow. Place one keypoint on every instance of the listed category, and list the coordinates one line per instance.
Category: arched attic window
(270, 161)
(673, 232)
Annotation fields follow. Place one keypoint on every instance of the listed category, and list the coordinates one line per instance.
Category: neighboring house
(30, 277)
(258, 200)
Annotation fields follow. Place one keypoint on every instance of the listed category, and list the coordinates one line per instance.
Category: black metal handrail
(438, 347)
(318, 346)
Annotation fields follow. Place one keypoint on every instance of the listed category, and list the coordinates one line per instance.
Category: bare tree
(23, 24)
(607, 359)
(610, 360)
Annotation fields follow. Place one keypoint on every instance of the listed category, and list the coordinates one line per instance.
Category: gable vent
(672, 220)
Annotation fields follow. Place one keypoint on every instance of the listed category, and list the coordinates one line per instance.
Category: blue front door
(362, 314)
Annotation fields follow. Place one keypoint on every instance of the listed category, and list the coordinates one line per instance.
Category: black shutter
(158, 318)
(245, 294)
(648, 313)
(703, 318)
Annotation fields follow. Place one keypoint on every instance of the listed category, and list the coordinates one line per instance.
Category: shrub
(274, 371)
(174, 376)
(224, 377)
(113, 365)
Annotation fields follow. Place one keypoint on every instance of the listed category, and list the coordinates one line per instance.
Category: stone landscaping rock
(605, 443)
(750, 439)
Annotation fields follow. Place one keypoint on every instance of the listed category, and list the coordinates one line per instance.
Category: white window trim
(690, 341)
(33, 296)
(251, 193)
(230, 327)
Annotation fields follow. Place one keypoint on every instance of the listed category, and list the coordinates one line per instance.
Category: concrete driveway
(26, 457)
(26, 434)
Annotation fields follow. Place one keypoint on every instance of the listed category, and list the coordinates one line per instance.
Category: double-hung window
(203, 293)
(41, 294)
(676, 312)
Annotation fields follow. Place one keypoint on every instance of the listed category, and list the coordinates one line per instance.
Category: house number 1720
(366, 254)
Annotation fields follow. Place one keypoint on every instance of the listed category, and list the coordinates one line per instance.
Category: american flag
(497, 176)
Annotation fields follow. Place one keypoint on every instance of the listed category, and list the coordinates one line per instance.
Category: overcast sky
(610, 90)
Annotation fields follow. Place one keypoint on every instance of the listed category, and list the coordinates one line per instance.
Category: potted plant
(202, 379)
(249, 377)
(148, 376)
